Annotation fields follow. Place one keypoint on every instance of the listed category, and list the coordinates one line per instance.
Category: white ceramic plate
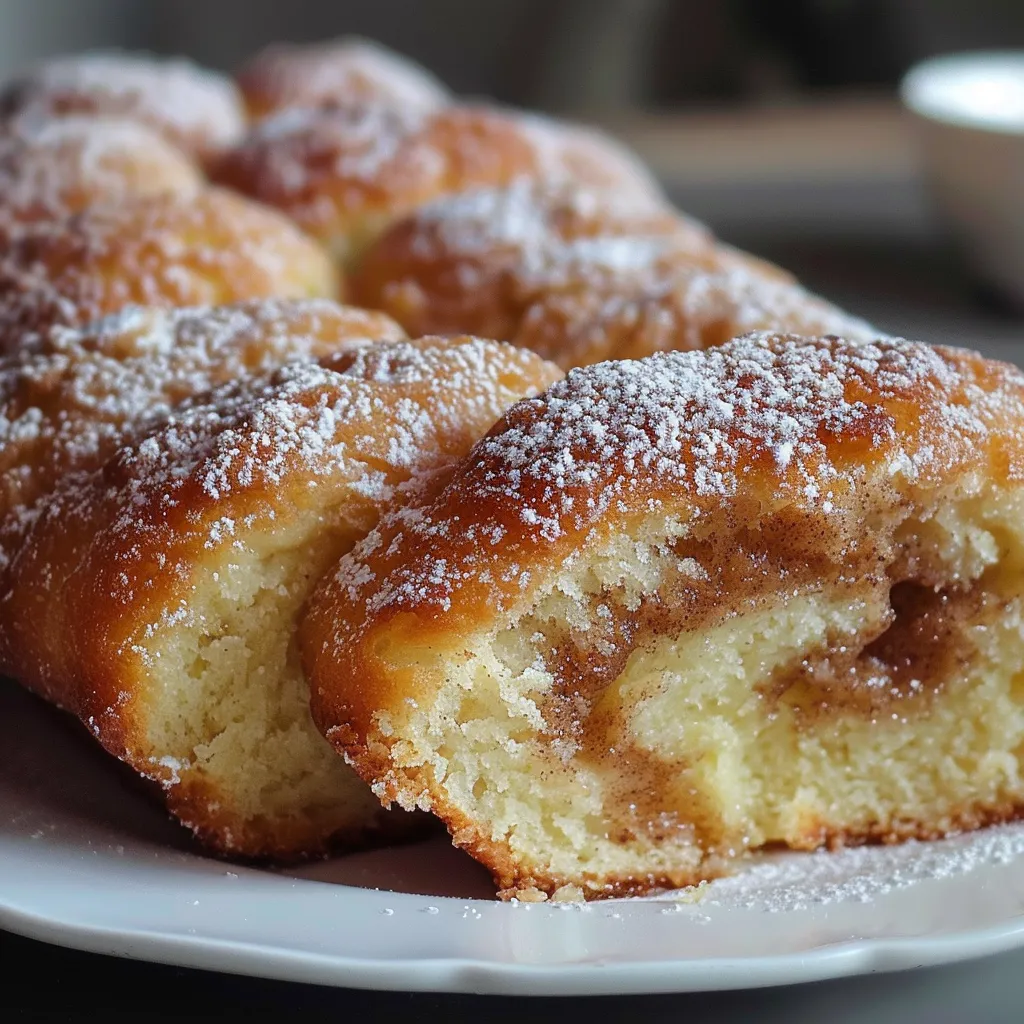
(87, 861)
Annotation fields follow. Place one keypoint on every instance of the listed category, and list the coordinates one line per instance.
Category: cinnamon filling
(916, 641)
(924, 645)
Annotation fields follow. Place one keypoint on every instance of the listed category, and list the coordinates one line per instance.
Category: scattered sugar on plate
(787, 882)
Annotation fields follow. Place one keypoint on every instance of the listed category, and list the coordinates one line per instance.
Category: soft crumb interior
(230, 706)
(710, 740)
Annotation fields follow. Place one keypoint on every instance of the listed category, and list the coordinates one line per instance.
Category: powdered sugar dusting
(699, 420)
(194, 108)
(304, 437)
(164, 250)
(551, 231)
(313, 162)
(325, 165)
(687, 431)
(69, 398)
(679, 306)
(56, 167)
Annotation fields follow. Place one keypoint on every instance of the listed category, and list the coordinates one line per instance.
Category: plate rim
(465, 976)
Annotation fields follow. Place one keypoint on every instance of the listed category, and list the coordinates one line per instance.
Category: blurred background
(774, 120)
(557, 54)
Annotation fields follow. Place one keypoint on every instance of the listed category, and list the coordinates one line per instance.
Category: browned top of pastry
(58, 166)
(477, 260)
(350, 171)
(722, 436)
(196, 109)
(68, 400)
(341, 72)
(676, 308)
(203, 249)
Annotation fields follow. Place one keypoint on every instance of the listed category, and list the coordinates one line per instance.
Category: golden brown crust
(512, 879)
(111, 561)
(678, 308)
(72, 398)
(56, 167)
(580, 276)
(209, 248)
(481, 258)
(344, 174)
(811, 430)
(347, 72)
(197, 110)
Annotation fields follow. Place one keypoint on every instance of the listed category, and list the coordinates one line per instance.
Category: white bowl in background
(970, 109)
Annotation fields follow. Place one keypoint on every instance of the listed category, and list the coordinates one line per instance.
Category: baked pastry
(629, 316)
(52, 168)
(477, 261)
(156, 598)
(197, 110)
(203, 249)
(683, 607)
(347, 72)
(72, 396)
(345, 174)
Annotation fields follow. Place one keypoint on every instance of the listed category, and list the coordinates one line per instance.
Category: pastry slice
(156, 597)
(682, 608)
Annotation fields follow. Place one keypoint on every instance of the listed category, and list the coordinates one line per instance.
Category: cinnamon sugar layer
(767, 592)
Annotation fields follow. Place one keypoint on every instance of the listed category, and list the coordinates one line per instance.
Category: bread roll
(55, 167)
(478, 260)
(684, 607)
(208, 248)
(197, 110)
(70, 398)
(346, 174)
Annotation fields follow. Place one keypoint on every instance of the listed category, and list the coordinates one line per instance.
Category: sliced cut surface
(156, 598)
(683, 607)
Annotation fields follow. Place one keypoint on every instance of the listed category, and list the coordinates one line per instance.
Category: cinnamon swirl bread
(684, 607)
